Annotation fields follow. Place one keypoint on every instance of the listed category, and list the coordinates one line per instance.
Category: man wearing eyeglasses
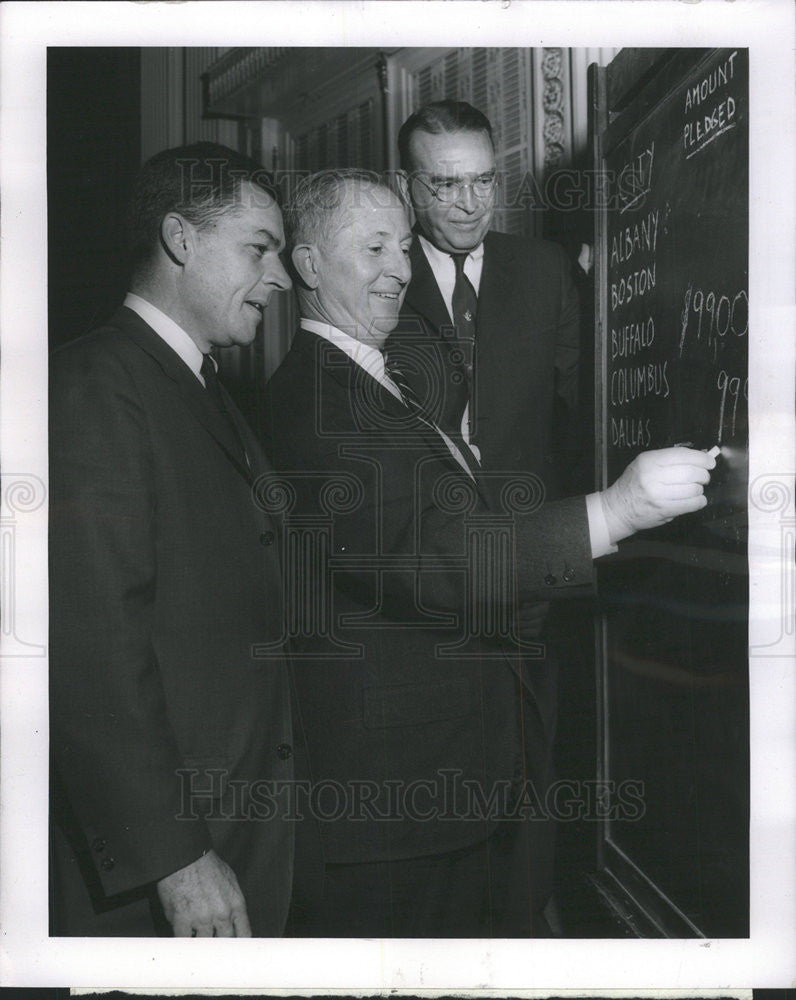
(489, 326)
(489, 331)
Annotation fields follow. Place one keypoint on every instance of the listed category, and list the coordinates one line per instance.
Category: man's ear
(175, 236)
(305, 261)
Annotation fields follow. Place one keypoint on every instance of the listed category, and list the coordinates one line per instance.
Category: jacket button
(107, 864)
(284, 751)
(550, 580)
(267, 538)
(99, 845)
(569, 575)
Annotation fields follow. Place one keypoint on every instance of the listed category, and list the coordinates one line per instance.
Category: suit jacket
(411, 702)
(526, 355)
(163, 576)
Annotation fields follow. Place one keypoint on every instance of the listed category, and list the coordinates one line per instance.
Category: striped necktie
(460, 451)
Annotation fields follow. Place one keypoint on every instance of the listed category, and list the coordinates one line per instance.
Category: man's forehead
(451, 153)
(261, 221)
(368, 196)
(372, 209)
(386, 221)
(250, 196)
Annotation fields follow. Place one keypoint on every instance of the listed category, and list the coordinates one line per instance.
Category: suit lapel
(364, 394)
(366, 397)
(423, 296)
(497, 290)
(252, 452)
(186, 384)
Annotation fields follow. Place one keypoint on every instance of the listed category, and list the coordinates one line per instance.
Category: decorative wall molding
(554, 126)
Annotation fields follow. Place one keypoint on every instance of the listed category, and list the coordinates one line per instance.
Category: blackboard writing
(708, 307)
(674, 330)
(710, 124)
(641, 235)
(676, 265)
(635, 179)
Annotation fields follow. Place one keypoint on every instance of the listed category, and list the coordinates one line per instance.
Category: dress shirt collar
(178, 340)
(365, 355)
(444, 270)
(437, 257)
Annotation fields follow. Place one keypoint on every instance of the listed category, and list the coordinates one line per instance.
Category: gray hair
(310, 215)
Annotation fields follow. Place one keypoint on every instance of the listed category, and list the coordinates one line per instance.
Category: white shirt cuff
(598, 527)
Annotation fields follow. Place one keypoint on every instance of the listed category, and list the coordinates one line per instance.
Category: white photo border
(27, 956)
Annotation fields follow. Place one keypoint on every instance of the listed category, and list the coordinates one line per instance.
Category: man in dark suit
(490, 332)
(163, 575)
(491, 319)
(426, 718)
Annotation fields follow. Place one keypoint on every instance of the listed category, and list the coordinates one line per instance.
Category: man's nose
(400, 268)
(275, 274)
(467, 199)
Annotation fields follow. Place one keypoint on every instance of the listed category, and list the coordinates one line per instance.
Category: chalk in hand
(715, 451)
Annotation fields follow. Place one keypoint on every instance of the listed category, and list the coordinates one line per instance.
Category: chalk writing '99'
(730, 388)
(711, 317)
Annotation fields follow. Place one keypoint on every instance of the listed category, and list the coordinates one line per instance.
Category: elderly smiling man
(430, 758)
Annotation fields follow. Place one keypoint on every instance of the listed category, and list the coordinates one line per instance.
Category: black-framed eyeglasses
(448, 191)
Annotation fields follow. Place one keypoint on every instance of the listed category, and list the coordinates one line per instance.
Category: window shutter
(478, 81)
(347, 142)
(365, 135)
(341, 128)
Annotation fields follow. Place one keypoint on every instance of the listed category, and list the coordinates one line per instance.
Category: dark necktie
(412, 402)
(213, 388)
(465, 307)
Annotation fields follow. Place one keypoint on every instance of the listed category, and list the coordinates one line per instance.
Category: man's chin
(246, 336)
(464, 240)
(238, 338)
(386, 324)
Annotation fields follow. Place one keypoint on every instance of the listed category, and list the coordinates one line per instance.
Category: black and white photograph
(398, 509)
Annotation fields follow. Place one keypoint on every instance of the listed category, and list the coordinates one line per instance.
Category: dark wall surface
(93, 151)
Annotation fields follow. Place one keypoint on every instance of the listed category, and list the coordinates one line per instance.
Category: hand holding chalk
(714, 452)
(656, 487)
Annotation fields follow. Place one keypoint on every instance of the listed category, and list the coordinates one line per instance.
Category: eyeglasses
(451, 190)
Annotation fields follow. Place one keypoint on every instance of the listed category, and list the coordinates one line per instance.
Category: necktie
(465, 307)
(462, 453)
(393, 369)
(213, 388)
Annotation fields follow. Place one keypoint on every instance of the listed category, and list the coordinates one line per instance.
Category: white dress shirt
(444, 271)
(178, 340)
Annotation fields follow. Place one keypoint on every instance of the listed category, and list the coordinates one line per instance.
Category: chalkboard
(678, 310)
(673, 327)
